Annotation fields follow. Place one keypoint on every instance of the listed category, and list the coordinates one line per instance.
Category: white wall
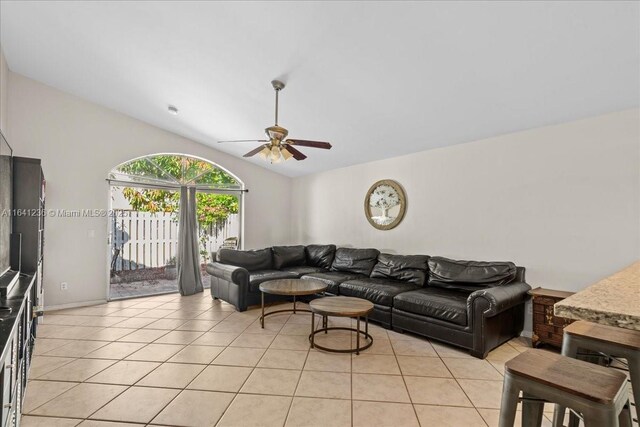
(4, 81)
(563, 201)
(79, 143)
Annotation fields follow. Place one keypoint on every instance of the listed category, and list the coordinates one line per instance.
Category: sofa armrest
(230, 273)
(500, 298)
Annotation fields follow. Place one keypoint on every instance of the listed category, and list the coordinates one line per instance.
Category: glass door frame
(167, 187)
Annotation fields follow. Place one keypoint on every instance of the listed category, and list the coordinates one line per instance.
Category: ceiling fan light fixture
(264, 153)
(286, 154)
(275, 156)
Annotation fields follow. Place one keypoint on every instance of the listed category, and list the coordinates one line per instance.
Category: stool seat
(626, 338)
(576, 377)
(611, 341)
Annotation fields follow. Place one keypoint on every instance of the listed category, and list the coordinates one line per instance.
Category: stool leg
(625, 416)
(634, 374)
(600, 419)
(569, 349)
(574, 421)
(531, 411)
(509, 404)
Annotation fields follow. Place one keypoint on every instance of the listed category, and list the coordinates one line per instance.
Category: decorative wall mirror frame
(385, 204)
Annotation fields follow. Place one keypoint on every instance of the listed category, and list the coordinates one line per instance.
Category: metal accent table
(341, 307)
(292, 287)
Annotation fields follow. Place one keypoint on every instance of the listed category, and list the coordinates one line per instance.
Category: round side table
(341, 307)
(292, 287)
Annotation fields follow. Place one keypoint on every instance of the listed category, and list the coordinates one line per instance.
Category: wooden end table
(341, 307)
(547, 327)
(291, 287)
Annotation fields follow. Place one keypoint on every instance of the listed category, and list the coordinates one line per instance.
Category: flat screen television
(6, 188)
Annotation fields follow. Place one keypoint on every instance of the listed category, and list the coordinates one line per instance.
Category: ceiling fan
(276, 149)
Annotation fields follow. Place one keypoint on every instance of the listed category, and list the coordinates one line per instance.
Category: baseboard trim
(526, 334)
(74, 305)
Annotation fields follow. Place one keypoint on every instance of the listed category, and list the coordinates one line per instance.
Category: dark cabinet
(29, 217)
(17, 329)
(20, 302)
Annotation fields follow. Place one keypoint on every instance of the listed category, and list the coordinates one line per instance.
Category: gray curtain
(189, 279)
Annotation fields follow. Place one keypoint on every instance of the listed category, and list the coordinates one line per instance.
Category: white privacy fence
(142, 240)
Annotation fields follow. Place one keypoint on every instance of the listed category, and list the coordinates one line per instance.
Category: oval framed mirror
(385, 204)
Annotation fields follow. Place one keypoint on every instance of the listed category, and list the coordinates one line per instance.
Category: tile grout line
(463, 390)
(404, 381)
(243, 383)
(295, 390)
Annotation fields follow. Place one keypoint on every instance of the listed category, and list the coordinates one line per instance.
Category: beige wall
(79, 143)
(563, 201)
(4, 92)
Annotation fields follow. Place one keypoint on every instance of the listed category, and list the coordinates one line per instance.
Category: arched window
(175, 170)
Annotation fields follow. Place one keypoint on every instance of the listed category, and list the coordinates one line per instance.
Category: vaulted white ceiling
(375, 79)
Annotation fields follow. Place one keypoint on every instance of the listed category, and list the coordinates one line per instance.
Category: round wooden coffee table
(341, 307)
(292, 287)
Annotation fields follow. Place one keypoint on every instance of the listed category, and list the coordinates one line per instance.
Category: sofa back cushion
(260, 259)
(288, 256)
(360, 261)
(320, 255)
(469, 275)
(409, 268)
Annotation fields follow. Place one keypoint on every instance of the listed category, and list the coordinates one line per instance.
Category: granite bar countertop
(613, 301)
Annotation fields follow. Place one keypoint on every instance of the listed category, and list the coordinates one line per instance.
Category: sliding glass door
(145, 206)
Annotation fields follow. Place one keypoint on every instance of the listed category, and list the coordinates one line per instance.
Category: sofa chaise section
(470, 304)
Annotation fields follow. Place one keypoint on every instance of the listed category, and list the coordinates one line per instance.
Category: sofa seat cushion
(260, 276)
(303, 269)
(442, 304)
(378, 291)
(333, 279)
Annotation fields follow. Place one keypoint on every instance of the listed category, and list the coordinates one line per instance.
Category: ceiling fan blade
(295, 153)
(313, 144)
(245, 140)
(254, 151)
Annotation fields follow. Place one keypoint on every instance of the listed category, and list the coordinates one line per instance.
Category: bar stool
(609, 340)
(600, 394)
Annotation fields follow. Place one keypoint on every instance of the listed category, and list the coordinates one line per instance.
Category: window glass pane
(218, 179)
(175, 170)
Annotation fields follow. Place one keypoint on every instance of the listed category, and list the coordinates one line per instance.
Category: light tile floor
(191, 361)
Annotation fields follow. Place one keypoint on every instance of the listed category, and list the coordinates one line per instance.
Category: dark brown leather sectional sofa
(471, 304)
